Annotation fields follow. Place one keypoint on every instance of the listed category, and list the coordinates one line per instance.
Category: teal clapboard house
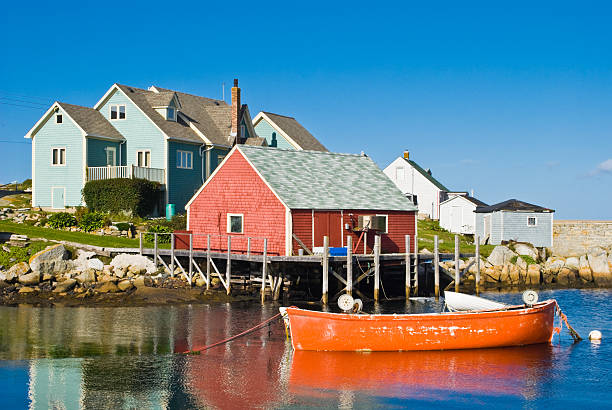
(166, 136)
(285, 132)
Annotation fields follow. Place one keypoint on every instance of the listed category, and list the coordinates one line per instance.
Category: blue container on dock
(170, 211)
(337, 251)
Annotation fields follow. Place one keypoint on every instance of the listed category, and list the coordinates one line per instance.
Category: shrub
(92, 221)
(123, 226)
(149, 237)
(61, 220)
(79, 212)
(178, 222)
(137, 196)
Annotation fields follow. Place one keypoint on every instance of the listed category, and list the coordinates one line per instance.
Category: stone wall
(575, 238)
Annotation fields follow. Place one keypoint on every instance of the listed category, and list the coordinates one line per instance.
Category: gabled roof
(513, 205)
(256, 141)
(294, 131)
(325, 180)
(473, 200)
(161, 99)
(91, 121)
(426, 174)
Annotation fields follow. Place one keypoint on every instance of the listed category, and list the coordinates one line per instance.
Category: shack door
(455, 217)
(328, 223)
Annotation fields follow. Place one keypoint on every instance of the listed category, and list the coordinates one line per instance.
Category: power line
(13, 142)
(24, 101)
(26, 96)
(21, 105)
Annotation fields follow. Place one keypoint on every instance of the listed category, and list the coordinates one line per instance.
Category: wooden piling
(264, 270)
(477, 265)
(248, 247)
(190, 257)
(407, 261)
(325, 261)
(416, 264)
(155, 249)
(457, 273)
(208, 262)
(436, 268)
(228, 266)
(140, 244)
(376, 266)
(172, 254)
(349, 265)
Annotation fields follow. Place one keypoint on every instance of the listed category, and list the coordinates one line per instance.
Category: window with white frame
(111, 156)
(184, 159)
(235, 223)
(58, 156)
(143, 158)
(532, 221)
(59, 118)
(117, 112)
(171, 114)
(381, 224)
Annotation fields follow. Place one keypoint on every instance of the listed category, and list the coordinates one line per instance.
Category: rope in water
(562, 319)
(246, 332)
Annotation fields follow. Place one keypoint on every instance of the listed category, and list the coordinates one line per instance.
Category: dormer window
(59, 119)
(117, 112)
(171, 114)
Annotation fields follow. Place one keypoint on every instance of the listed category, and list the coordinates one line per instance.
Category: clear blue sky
(511, 102)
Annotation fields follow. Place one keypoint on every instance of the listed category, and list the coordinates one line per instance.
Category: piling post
(416, 264)
(264, 270)
(140, 244)
(477, 265)
(249, 248)
(155, 249)
(349, 265)
(407, 261)
(325, 270)
(365, 243)
(190, 257)
(457, 263)
(436, 269)
(172, 254)
(228, 266)
(376, 266)
(208, 262)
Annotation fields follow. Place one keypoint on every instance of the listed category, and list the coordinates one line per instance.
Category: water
(123, 358)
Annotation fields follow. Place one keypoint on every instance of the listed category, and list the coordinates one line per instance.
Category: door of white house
(58, 197)
(455, 219)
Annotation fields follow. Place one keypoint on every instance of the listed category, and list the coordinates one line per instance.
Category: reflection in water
(124, 358)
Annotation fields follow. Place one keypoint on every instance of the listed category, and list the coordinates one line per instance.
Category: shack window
(532, 221)
(59, 119)
(117, 112)
(380, 224)
(58, 156)
(235, 223)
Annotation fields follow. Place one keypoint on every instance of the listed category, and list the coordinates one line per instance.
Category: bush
(123, 226)
(149, 237)
(79, 211)
(137, 196)
(178, 222)
(61, 220)
(92, 221)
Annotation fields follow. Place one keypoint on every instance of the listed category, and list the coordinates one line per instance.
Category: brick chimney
(235, 132)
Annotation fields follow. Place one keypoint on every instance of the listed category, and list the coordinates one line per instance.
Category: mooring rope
(562, 319)
(246, 332)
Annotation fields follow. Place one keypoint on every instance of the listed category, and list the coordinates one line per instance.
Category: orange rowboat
(514, 326)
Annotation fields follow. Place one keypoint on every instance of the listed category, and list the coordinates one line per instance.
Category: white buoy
(595, 335)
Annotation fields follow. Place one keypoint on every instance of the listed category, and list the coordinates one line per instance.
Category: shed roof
(427, 175)
(296, 131)
(91, 121)
(473, 200)
(325, 180)
(512, 205)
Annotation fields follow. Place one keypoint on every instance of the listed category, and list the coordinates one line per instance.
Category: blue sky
(511, 102)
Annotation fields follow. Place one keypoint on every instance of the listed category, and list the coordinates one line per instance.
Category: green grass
(427, 229)
(17, 254)
(18, 201)
(78, 237)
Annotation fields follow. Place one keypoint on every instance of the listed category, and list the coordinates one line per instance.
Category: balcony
(129, 171)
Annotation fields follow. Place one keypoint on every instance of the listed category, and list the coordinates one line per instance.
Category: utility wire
(21, 105)
(10, 99)
(13, 142)
(26, 96)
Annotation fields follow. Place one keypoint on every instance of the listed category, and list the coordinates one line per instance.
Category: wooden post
(248, 247)
(140, 244)
(376, 266)
(228, 266)
(190, 257)
(208, 262)
(365, 243)
(155, 250)
(264, 270)
(416, 264)
(172, 254)
(325, 270)
(477, 265)
(407, 261)
(349, 265)
(436, 269)
(457, 263)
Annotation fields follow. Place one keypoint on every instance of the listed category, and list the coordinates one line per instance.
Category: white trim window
(111, 156)
(117, 112)
(58, 157)
(385, 219)
(59, 118)
(184, 159)
(235, 223)
(143, 158)
(532, 221)
(171, 114)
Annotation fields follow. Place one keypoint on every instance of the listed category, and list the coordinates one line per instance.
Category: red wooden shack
(281, 195)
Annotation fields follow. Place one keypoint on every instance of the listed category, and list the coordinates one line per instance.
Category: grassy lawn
(427, 229)
(79, 237)
(16, 201)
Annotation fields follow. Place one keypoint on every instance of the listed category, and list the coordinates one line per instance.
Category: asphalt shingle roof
(297, 132)
(512, 205)
(426, 175)
(325, 180)
(91, 121)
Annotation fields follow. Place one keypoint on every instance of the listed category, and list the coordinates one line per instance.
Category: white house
(457, 214)
(418, 184)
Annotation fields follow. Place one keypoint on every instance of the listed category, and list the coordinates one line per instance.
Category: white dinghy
(462, 302)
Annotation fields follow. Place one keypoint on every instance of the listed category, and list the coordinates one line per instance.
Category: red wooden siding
(237, 189)
(331, 223)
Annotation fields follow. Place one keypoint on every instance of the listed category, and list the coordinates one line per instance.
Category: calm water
(123, 358)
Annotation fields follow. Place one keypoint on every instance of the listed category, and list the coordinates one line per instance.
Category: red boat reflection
(503, 371)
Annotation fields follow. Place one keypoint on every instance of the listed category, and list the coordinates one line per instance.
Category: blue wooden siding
(246, 130)
(96, 152)
(183, 183)
(265, 130)
(216, 156)
(516, 228)
(70, 176)
(138, 130)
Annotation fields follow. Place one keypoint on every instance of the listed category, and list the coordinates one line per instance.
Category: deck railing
(126, 171)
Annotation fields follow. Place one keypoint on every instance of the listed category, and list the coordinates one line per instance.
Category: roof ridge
(189, 94)
(75, 105)
(278, 115)
(306, 151)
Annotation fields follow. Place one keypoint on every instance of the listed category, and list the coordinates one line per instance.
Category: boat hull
(311, 330)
